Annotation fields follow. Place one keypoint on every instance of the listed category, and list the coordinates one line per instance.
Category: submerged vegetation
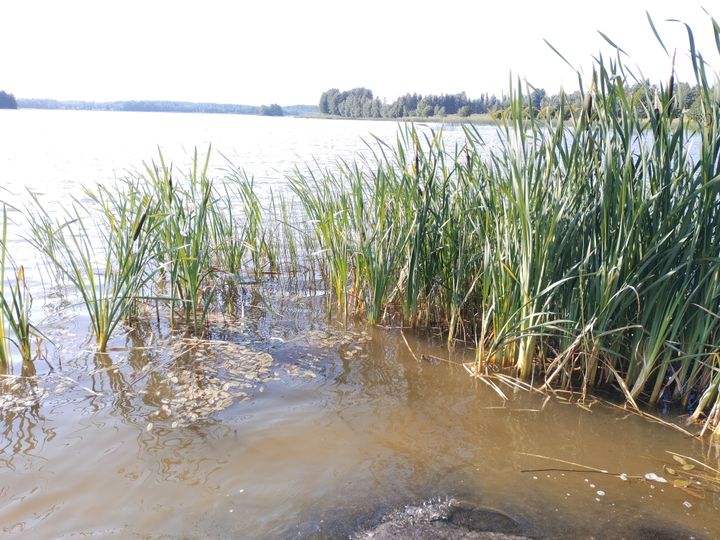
(580, 252)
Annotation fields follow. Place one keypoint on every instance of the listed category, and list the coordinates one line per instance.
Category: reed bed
(582, 251)
(156, 237)
(578, 253)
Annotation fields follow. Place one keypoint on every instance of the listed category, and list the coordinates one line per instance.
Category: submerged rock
(434, 530)
(444, 519)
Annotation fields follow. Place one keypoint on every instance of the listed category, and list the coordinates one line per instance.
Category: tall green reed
(5, 357)
(580, 248)
(15, 306)
(185, 236)
(104, 248)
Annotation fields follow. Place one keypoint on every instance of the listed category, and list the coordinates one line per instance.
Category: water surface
(284, 424)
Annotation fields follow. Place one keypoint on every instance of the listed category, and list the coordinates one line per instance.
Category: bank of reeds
(103, 247)
(155, 237)
(577, 253)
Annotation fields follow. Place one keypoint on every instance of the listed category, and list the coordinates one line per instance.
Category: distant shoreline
(483, 119)
(157, 106)
(295, 111)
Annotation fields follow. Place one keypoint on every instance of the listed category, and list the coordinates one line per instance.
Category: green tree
(424, 108)
(333, 97)
(272, 110)
(323, 105)
(536, 98)
(7, 101)
(355, 103)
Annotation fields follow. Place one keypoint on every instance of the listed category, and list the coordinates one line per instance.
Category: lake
(55, 151)
(283, 423)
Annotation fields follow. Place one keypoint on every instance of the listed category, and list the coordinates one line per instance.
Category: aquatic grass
(581, 249)
(258, 237)
(378, 240)
(190, 249)
(5, 356)
(285, 237)
(229, 233)
(185, 240)
(103, 248)
(327, 213)
(15, 306)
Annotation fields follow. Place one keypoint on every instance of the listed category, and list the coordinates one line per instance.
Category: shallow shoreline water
(283, 425)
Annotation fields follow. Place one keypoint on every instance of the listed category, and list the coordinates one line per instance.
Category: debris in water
(149, 426)
(687, 504)
(655, 478)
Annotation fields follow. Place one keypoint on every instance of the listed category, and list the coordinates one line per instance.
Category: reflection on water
(282, 425)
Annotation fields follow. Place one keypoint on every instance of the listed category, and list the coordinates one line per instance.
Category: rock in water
(440, 520)
(433, 530)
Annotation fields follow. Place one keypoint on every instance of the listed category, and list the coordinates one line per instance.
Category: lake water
(284, 424)
(55, 151)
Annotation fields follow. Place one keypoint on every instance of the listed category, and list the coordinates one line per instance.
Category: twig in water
(584, 471)
(586, 467)
(402, 334)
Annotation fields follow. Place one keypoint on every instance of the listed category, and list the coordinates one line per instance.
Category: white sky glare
(289, 52)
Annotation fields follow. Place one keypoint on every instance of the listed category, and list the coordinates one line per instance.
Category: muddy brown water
(283, 425)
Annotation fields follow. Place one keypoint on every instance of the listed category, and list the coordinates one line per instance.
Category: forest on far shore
(361, 103)
(7, 101)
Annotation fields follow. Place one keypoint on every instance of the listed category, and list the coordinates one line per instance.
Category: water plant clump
(156, 237)
(104, 248)
(15, 306)
(580, 251)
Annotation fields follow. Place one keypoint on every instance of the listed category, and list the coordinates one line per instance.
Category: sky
(289, 52)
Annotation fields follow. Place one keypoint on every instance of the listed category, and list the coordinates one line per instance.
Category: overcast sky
(289, 52)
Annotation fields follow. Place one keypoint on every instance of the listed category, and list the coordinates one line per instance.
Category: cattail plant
(104, 248)
(15, 306)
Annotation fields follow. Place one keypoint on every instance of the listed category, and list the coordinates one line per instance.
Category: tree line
(642, 95)
(7, 101)
(167, 106)
(361, 103)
